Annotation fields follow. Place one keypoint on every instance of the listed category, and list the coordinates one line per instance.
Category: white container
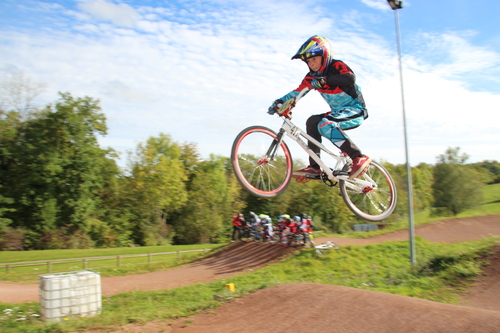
(70, 294)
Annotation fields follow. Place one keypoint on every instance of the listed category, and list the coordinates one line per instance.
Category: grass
(14, 256)
(105, 267)
(441, 274)
(442, 271)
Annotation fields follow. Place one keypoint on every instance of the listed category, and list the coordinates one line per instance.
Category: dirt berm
(314, 307)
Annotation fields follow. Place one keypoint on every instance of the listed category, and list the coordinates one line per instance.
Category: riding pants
(334, 130)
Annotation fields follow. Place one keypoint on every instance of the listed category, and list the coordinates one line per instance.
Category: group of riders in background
(288, 231)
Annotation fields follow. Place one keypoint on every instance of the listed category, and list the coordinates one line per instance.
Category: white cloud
(377, 4)
(122, 91)
(202, 75)
(452, 54)
(120, 15)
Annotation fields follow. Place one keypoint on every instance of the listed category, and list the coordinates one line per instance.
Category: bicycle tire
(261, 175)
(374, 203)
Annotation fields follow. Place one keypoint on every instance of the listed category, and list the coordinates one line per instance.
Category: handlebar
(286, 108)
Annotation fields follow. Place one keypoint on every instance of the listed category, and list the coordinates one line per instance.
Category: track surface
(314, 307)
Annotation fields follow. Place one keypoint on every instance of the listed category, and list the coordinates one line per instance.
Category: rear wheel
(374, 202)
(261, 163)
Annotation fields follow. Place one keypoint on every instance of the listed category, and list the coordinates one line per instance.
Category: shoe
(359, 166)
(306, 171)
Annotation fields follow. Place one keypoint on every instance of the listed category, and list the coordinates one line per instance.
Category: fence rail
(86, 260)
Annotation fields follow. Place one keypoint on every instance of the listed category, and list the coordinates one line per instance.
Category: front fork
(271, 152)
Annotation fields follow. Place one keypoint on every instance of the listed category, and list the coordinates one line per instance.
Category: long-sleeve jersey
(341, 92)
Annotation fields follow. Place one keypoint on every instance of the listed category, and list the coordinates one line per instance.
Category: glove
(319, 82)
(275, 106)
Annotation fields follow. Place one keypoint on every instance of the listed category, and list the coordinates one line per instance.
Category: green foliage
(489, 171)
(207, 212)
(155, 189)
(4, 222)
(329, 209)
(398, 173)
(54, 169)
(422, 179)
(456, 187)
(60, 189)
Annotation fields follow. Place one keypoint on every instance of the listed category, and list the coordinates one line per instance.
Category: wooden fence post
(118, 261)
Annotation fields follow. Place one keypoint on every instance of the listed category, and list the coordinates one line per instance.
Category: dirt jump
(307, 307)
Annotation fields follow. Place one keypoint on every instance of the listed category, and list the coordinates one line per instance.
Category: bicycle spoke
(375, 202)
(258, 173)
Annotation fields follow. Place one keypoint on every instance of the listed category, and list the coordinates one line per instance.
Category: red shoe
(359, 166)
(306, 171)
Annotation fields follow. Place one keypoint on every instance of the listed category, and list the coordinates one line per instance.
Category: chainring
(327, 181)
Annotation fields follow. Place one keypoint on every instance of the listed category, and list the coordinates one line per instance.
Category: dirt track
(313, 307)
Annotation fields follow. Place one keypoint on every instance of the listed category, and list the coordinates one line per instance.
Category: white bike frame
(296, 134)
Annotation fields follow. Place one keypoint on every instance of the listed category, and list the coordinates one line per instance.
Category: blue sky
(201, 71)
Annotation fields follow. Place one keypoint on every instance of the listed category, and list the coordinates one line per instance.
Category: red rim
(288, 163)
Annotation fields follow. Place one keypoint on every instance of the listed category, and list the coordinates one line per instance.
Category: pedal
(340, 173)
(301, 179)
(313, 176)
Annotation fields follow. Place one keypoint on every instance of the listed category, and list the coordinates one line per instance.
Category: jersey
(238, 221)
(340, 91)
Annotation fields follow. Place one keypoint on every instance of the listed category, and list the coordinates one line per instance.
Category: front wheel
(261, 162)
(376, 199)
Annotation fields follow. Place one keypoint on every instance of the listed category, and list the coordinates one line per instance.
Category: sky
(203, 70)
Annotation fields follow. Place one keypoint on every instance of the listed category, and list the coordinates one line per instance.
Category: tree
(456, 186)
(201, 220)
(155, 189)
(329, 209)
(422, 178)
(398, 173)
(54, 169)
(4, 222)
(489, 170)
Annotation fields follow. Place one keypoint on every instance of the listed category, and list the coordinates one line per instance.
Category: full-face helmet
(316, 46)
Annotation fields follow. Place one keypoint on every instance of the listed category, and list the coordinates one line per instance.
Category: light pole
(395, 5)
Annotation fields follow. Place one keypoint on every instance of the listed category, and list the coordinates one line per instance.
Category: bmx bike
(263, 165)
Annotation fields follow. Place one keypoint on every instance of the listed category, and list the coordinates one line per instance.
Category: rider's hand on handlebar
(275, 106)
